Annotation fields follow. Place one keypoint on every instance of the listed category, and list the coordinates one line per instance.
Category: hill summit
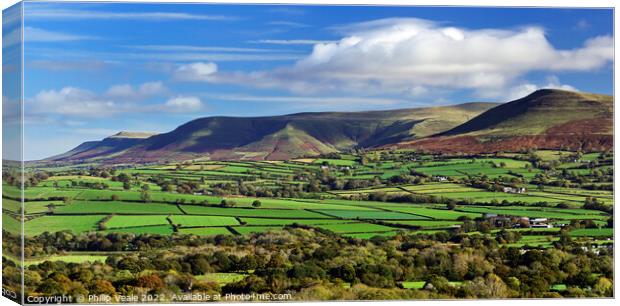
(548, 118)
(136, 135)
(545, 119)
(276, 137)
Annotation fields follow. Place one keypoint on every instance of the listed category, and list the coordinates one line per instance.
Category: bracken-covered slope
(279, 137)
(93, 150)
(545, 119)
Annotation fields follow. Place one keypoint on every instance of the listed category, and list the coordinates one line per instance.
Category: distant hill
(550, 119)
(276, 137)
(108, 147)
(545, 119)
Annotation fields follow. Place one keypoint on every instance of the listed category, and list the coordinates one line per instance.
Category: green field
(75, 224)
(68, 259)
(356, 228)
(156, 230)
(377, 214)
(245, 230)
(117, 207)
(221, 278)
(197, 221)
(135, 221)
(243, 197)
(592, 232)
(205, 231)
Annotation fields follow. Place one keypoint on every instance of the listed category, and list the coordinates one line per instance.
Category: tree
(227, 203)
(604, 287)
(256, 204)
(145, 196)
(152, 281)
(492, 286)
(126, 185)
(102, 287)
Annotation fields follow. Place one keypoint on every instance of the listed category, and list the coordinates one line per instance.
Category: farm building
(540, 223)
(514, 189)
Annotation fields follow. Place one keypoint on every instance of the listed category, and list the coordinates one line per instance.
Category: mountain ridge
(545, 119)
(277, 137)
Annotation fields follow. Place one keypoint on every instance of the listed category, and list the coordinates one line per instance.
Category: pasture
(350, 196)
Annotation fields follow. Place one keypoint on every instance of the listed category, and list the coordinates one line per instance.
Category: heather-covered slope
(549, 119)
(279, 137)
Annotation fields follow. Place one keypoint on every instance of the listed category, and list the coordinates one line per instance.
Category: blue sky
(94, 69)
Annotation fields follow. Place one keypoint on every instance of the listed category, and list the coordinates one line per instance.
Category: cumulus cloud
(126, 91)
(73, 102)
(312, 101)
(183, 104)
(404, 55)
(199, 71)
(524, 89)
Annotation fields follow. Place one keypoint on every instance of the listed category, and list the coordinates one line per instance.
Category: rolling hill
(276, 137)
(109, 146)
(545, 119)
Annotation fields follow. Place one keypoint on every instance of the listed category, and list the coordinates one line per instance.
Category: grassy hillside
(550, 119)
(279, 137)
(537, 112)
(109, 146)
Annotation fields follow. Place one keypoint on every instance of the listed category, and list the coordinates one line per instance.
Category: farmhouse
(507, 189)
(539, 223)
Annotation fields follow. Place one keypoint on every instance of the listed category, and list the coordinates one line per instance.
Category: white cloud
(195, 71)
(152, 88)
(182, 104)
(73, 102)
(63, 65)
(32, 34)
(313, 101)
(122, 90)
(42, 35)
(582, 25)
(95, 132)
(141, 56)
(190, 48)
(524, 89)
(399, 55)
(51, 13)
(291, 41)
(126, 91)
(288, 24)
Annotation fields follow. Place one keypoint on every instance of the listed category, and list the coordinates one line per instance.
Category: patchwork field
(378, 196)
